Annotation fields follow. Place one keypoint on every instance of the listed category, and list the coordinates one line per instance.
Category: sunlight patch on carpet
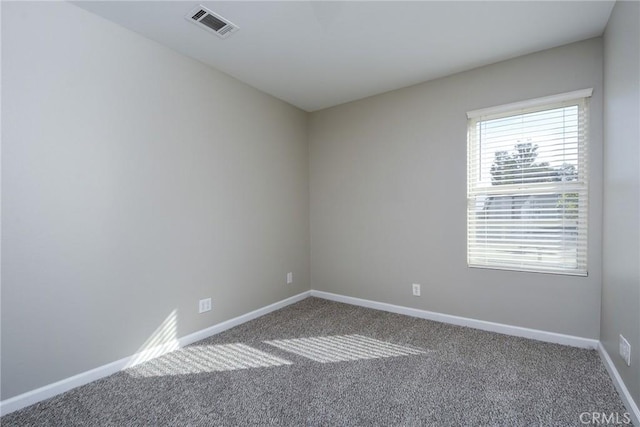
(207, 358)
(341, 348)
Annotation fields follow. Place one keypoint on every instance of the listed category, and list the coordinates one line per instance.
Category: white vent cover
(204, 18)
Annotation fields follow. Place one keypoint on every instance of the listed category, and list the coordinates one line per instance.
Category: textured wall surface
(621, 232)
(388, 197)
(136, 181)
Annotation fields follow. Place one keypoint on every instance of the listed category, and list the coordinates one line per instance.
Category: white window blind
(527, 185)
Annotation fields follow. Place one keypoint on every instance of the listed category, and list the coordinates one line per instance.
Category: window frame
(475, 189)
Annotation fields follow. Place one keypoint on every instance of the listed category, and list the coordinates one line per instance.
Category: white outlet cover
(416, 289)
(289, 278)
(625, 350)
(204, 305)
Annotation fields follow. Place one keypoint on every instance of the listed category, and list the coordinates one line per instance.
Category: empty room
(320, 213)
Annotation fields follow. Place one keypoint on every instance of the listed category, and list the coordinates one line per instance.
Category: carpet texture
(320, 363)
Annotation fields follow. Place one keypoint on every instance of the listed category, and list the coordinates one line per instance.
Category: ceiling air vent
(204, 18)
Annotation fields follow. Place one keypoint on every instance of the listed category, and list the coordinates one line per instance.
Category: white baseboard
(29, 398)
(517, 331)
(34, 396)
(623, 391)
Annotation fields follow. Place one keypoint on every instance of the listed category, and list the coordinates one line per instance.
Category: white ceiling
(317, 54)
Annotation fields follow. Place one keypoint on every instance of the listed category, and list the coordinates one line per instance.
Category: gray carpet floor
(320, 363)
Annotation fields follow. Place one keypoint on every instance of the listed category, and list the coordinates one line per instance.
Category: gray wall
(621, 232)
(135, 182)
(388, 197)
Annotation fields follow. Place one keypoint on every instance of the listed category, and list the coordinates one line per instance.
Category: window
(527, 189)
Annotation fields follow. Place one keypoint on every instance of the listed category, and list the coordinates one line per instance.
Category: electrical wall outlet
(204, 305)
(625, 350)
(416, 289)
(289, 278)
